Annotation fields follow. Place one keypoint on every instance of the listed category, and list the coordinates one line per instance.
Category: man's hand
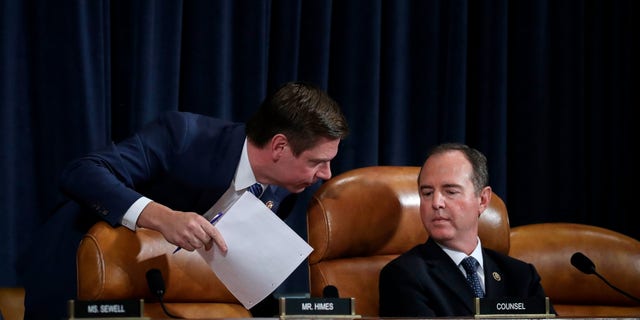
(187, 230)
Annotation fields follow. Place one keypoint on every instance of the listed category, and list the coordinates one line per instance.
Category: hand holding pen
(212, 221)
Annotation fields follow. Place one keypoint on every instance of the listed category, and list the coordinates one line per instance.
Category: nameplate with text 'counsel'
(318, 307)
(513, 307)
(102, 309)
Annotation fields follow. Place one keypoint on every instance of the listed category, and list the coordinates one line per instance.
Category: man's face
(297, 173)
(449, 207)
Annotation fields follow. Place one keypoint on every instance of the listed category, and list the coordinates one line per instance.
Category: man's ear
(485, 198)
(279, 143)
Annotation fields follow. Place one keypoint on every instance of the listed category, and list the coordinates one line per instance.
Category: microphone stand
(156, 285)
(164, 308)
(616, 288)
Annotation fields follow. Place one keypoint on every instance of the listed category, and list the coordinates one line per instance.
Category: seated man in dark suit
(429, 280)
(178, 171)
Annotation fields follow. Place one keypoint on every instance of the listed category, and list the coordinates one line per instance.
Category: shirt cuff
(130, 217)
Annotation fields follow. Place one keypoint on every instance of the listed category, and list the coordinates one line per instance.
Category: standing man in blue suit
(172, 175)
(429, 280)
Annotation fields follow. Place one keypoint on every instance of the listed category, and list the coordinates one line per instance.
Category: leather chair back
(11, 303)
(112, 264)
(549, 246)
(360, 220)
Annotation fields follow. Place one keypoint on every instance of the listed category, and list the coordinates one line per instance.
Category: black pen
(213, 221)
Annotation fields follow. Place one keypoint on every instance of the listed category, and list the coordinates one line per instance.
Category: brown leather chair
(12, 303)
(112, 264)
(360, 220)
(549, 246)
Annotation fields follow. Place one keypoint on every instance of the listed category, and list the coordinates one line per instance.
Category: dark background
(544, 88)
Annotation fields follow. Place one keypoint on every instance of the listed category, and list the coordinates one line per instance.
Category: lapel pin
(497, 276)
(269, 204)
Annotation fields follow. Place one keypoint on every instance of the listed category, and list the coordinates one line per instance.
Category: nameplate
(101, 309)
(513, 307)
(318, 307)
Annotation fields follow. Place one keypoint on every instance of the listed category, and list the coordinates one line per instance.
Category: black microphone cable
(156, 285)
(585, 265)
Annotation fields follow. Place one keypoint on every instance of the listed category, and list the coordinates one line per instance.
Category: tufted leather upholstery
(112, 264)
(549, 246)
(358, 221)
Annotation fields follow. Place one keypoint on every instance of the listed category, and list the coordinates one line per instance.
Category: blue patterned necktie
(470, 265)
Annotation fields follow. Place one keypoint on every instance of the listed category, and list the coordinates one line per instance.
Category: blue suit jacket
(425, 282)
(182, 160)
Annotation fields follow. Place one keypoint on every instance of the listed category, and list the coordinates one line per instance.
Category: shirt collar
(457, 256)
(244, 173)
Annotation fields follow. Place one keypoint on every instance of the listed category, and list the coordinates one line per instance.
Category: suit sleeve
(105, 181)
(535, 286)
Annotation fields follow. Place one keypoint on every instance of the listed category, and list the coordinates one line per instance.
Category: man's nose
(438, 200)
(324, 172)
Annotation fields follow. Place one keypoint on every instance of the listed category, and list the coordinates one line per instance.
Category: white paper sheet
(263, 251)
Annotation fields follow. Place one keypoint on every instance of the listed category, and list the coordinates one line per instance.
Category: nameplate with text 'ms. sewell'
(101, 309)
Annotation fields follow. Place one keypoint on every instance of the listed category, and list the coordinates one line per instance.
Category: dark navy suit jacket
(425, 282)
(182, 160)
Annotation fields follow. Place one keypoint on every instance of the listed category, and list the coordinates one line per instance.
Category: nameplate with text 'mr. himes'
(513, 307)
(318, 307)
(103, 309)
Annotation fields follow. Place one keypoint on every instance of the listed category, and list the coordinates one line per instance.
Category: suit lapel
(493, 277)
(274, 197)
(443, 269)
(270, 198)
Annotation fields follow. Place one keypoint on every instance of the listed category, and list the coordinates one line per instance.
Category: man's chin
(441, 233)
(300, 188)
(297, 189)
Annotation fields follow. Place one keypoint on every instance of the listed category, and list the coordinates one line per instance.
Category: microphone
(330, 291)
(585, 265)
(155, 282)
(156, 285)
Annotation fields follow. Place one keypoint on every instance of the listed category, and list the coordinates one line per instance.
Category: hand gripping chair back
(360, 220)
(112, 264)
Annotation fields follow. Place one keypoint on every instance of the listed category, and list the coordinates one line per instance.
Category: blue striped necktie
(256, 189)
